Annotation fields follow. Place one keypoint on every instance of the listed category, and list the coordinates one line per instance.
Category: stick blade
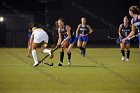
(49, 64)
(118, 41)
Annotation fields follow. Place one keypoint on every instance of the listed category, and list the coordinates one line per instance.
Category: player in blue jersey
(82, 33)
(66, 39)
(135, 22)
(124, 31)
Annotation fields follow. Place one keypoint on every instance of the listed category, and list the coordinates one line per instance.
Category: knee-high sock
(34, 56)
(84, 51)
(61, 56)
(128, 53)
(69, 55)
(123, 53)
(81, 48)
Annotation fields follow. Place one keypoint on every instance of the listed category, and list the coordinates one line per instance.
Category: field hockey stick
(112, 38)
(41, 61)
(118, 41)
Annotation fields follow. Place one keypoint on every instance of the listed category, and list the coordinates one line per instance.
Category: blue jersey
(125, 30)
(29, 35)
(136, 23)
(64, 34)
(83, 30)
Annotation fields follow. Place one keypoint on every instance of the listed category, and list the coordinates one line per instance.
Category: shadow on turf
(81, 66)
(72, 66)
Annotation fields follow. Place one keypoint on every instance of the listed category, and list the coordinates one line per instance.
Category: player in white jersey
(38, 37)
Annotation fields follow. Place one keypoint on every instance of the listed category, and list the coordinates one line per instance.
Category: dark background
(104, 16)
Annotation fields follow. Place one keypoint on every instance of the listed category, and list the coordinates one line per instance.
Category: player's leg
(127, 51)
(36, 42)
(79, 44)
(45, 50)
(61, 56)
(122, 51)
(85, 40)
(84, 48)
(62, 53)
(69, 52)
(34, 54)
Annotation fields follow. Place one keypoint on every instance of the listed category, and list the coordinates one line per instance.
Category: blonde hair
(134, 9)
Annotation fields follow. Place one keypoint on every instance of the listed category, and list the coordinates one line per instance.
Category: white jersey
(40, 35)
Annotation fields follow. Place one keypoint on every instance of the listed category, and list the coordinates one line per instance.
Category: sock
(84, 51)
(128, 53)
(81, 48)
(34, 56)
(61, 56)
(123, 53)
(47, 51)
(69, 55)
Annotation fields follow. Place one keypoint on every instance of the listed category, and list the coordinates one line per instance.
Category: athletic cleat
(35, 64)
(83, 55)
(69, 62)
(60, 64)
(51, 54)
(123, 58)
(127, 59)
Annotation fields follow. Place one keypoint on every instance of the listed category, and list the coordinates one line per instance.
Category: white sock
(47, 51)
(34, 56)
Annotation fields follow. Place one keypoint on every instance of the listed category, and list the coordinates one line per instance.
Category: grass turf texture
(101, 71)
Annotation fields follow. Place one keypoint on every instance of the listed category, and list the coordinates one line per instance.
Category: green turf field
(101, 71)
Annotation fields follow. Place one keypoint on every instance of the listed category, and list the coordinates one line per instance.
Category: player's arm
(60, 38)
(68, 37)
(30, 45)
(68, 33)
(90, 29)
(131, 33)
(77, 31)
(139, 17)
(119, 31)
(133, 30)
